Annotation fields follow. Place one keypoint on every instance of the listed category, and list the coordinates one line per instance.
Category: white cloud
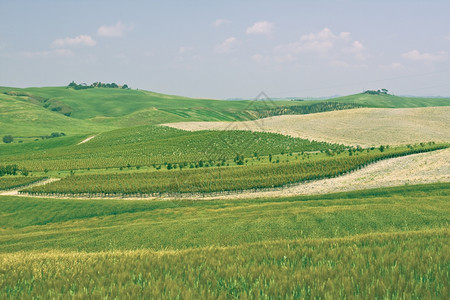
(357, 49)
(343, 64)
(326, 44)
(47, 53)
(262, 27)
(339, 64)
(220, 22)
(227, 46)
(345, 36)
(416, 55)
(63, 52)
(447, 37)
(258, 57)
(324, 34)
(116, 30)
(185, 49)
(396, 65)
(320, 42)
(287, 58)
(85, 40)
(393, 66)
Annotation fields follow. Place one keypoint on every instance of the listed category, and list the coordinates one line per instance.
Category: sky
(230, 49)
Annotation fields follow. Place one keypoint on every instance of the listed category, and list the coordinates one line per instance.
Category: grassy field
(371, 266)
(365, 244)
(374, 243)
(362, 126)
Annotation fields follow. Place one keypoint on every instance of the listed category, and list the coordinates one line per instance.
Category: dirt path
(430, 167)
(86, 140)
(15, 191)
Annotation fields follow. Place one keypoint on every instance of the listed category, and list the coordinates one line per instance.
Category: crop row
(148, 145)
(13, 182)
(234, 178)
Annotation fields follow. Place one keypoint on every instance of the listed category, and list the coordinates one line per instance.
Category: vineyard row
(236, 178)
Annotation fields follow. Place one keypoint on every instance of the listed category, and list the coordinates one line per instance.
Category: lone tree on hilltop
(8, 139)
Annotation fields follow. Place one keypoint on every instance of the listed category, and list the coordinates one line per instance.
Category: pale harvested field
(362, 126)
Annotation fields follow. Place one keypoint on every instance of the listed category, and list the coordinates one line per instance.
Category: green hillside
(107, 102)
(40, 111)
(21, 117)
(391, 101)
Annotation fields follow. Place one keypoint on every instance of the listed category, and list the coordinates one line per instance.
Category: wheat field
(363, 126)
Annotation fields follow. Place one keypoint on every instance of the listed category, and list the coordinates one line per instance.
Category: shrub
(8, 139)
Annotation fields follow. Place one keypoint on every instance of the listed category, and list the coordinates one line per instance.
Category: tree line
(305, 109)
(376, 92)
(83, 86)
(13, 170)
(9, 138)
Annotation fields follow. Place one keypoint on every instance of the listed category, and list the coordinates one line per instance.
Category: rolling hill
(79, 219)
(43, 110)
(21, 117)
(40, 111)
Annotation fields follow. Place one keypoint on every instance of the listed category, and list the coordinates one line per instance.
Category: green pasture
(381, 243)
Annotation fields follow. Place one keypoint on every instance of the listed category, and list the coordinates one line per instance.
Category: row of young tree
(83, 86)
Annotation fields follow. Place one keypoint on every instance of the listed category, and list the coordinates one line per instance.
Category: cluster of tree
(9, 170)
(8, 139)
(108, 85)
(305, 109)
(83, 86)
(53, 135)
(377, 92)
(239, 159)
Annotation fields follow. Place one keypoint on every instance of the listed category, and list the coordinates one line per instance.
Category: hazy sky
(224, 49)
